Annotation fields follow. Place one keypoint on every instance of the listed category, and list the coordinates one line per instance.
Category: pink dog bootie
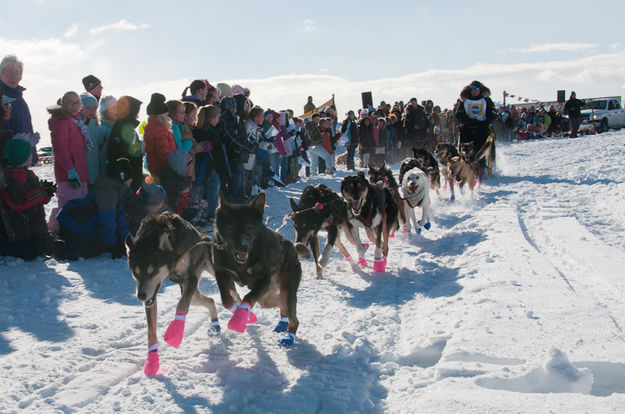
(362, 262)
(239, 319)
(152, 363)
(175, 330)
(379, 264)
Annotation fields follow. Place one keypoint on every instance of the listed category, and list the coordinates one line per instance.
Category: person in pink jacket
(70, 140)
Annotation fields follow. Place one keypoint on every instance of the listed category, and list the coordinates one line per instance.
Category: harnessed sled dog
(253, 255)
(445, 152)
(383, 176)
(320, 208)
(375, 210)
(416, 194)
(167, 246)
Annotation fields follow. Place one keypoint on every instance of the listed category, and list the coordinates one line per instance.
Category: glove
(48, 187)
(73, 179)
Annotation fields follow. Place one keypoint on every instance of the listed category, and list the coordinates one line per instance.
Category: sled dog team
(247, 252)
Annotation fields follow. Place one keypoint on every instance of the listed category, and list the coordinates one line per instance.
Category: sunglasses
(475, 89)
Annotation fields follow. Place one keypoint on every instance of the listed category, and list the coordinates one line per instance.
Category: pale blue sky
(287, 50)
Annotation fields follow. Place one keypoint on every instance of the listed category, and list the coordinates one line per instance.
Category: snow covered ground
(512, 302)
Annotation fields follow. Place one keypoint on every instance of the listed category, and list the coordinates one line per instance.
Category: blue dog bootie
(287, 340)
(282, 325)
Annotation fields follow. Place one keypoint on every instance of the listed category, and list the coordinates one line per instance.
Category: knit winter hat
(225, 89)
(157, 105)
(87, 99)
(90, 82)
(17, 151)
(120, 169)
(151, 194)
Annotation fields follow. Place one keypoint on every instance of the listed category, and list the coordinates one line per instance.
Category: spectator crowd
(111, 172)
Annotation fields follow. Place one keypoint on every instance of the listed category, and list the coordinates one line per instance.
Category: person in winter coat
(316, 150)
(96, 158)
(475, 111)
(70, 140)
(199, 90)
(109, 192)
(124, 141)
(414, 123)
(574, 108)
(176, 114)
(367, 143)
(349, 129)
(101, 132)
(158, 138)
(238, 149)
(210, 164)
(20, 121)
(23, 225)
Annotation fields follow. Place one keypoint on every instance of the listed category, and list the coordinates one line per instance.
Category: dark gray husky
(253, 255)
(167, 246)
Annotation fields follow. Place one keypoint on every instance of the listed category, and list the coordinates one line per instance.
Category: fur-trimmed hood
(58, 111)
(466, 91)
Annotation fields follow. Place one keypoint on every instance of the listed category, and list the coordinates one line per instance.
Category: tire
(604, 126)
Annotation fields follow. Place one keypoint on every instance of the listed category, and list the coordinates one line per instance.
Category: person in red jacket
(23, 225)
(166, 164)
(70, 140)
(158, 138)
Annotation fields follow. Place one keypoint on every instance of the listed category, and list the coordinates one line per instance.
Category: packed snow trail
(512, 302)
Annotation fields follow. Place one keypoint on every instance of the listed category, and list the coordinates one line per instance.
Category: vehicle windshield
(600, 104)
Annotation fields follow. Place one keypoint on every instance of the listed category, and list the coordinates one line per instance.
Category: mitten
(175, 330)
(73, 179)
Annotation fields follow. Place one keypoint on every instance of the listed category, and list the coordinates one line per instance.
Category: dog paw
(379, 264)
(418, 230)
(283, 325)
(405, 229)
(452, 198)
(152, 364)
(215, 328)
(239, 319)
(365, 246)
(175, 330)
(427, 224)
(362, 262)
(287, 340)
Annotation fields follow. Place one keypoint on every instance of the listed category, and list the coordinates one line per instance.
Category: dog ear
(129, 243)
(294, 205)
(361, 174)
(259, 202)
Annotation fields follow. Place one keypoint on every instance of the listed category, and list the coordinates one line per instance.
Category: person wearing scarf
(69, 142)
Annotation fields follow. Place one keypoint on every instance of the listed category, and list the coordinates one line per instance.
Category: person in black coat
(574, 108)
(475, 111)
(414, 124)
